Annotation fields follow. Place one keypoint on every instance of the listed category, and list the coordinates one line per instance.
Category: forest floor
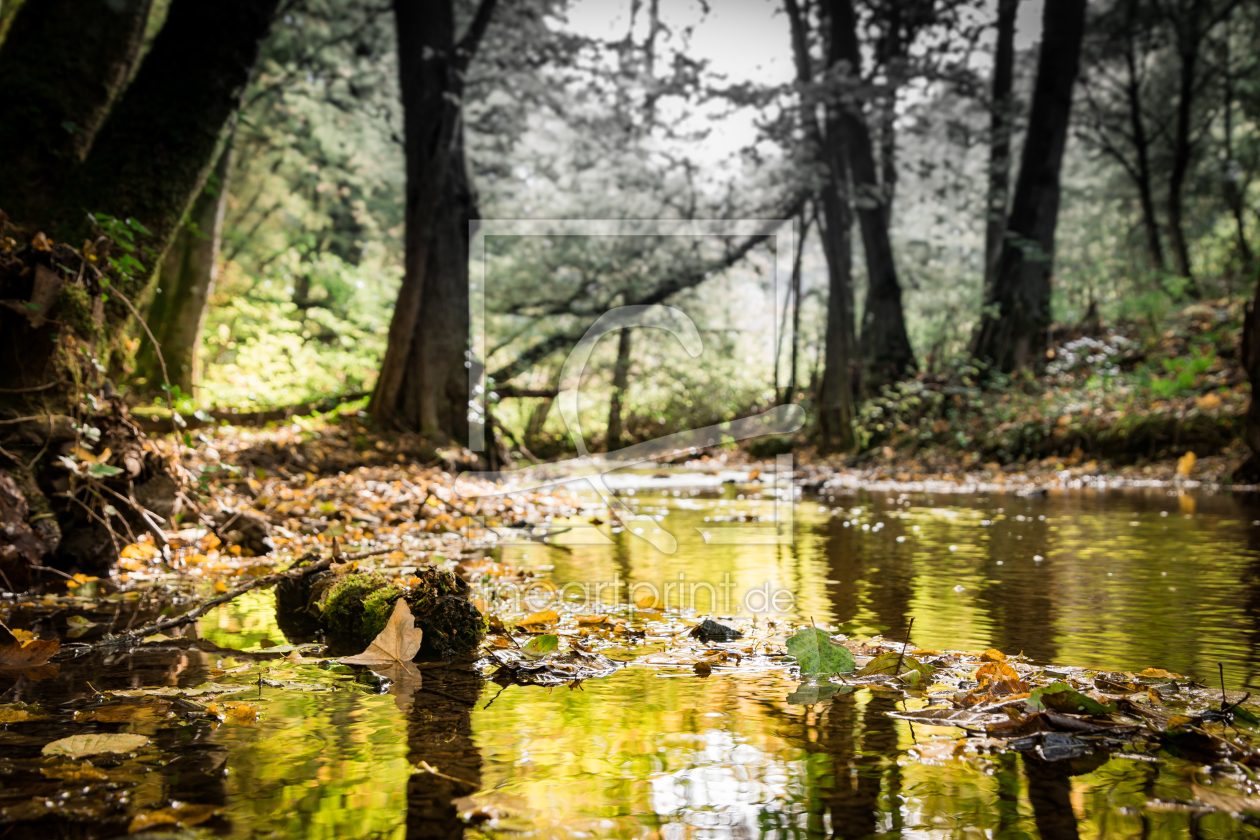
(1136, 401)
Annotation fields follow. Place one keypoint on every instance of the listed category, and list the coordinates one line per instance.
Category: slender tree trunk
(885, 345)
(1012, 333)
(836, 410)
(185, 282)
(62, 64)
(428, 334)
(796, 305)
(1188, 52)
(1142, 145)
(620, 383)
(1001, 126)
(1249, 471)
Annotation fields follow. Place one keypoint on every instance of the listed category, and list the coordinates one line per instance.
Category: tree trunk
(1001, 126)
(434, 396)
(836, 410)
(149, 160)
(185, 283)
(423, 384)
(62, 64)
(1249, 471)
(1012, 333)
(1142, 145)
(885, 345)
(156, 149)
(621, 381)
(1188, 37)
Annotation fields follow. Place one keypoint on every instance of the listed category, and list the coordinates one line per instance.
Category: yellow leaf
(220, 586)
(649, 602)
(993, 655)
(1158, 673)
(1207, 401)
(592, 619)
(1185, 463)
(540, 618)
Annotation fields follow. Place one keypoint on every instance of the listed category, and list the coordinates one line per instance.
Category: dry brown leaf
(398, 643)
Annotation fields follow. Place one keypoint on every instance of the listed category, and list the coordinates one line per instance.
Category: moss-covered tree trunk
(423, 384)
(1013, 330)
(62, 63)
(66, 303)
(183, 288)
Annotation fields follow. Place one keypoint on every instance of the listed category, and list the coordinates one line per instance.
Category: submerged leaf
(808, 693)
(80, 745)
(1061, 697)
(817, 654)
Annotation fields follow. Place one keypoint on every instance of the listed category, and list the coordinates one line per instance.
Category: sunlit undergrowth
(300, 331)
(1133, 391)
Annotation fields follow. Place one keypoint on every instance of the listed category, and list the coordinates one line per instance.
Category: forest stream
(1113, 580)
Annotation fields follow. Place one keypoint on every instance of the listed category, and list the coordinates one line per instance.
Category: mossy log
(350, 610)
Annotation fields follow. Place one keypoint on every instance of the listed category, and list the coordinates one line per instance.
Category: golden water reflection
(1124, 581)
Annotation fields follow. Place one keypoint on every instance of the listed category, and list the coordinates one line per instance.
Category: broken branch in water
(194, 614)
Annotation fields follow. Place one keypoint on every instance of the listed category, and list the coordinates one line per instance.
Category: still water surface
(1125, 580)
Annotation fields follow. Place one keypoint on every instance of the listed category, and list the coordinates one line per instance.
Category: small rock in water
(710, 631)
(960, 588)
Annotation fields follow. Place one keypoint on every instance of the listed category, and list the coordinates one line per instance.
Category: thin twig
(902, 655)
(43, 387)
(44, 448)
(205, 607)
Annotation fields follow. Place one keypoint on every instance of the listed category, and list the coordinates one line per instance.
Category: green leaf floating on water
(807, 693)
(817, 654)
(540, 646)
(1061, 697)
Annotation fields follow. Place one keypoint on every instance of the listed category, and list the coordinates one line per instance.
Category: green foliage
(817, 654)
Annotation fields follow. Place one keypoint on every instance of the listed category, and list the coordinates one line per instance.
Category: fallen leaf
(540, 646)
(1185, 463)
(180, 813)
(1061, 697)
(397, 643)
(817, 654)
(94, 744)
(649, 602)
(539, 619)
(16, 654)
(592, 619)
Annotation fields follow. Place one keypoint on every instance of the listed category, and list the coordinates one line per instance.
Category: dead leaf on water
(94, 744)
(179, 814)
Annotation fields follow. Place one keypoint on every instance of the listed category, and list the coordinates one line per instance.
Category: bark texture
(62, 64)
(423, 383)
(1013, 330)
(1000, 128)
(185, 282)
(885, 345)
(152, 156)
(836, 410)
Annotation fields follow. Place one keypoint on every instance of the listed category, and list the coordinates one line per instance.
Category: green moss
(356, 608)
(74, 309)
(344, 615)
